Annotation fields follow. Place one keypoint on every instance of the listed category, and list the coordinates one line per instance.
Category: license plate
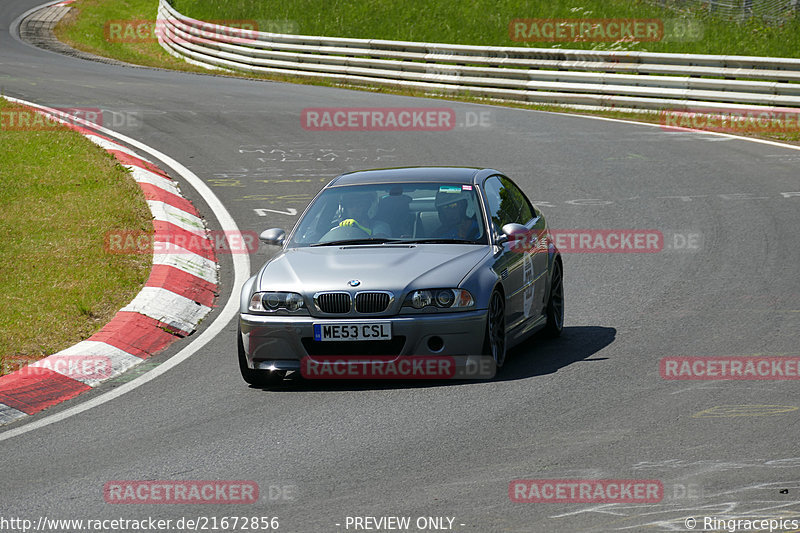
(353, 331)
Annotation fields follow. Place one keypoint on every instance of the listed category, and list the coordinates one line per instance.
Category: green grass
(486, 22)
(59, 195)
(85, 28)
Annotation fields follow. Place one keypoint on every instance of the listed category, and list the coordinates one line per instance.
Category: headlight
(420, 299)
(265, 302)
(445, 298)
(442, 298)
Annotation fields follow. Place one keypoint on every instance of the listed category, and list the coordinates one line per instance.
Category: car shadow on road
(535, 357)
(538, 356)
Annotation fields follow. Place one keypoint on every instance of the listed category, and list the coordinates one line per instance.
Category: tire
(257, 378)
(555, 303)
(494, 343)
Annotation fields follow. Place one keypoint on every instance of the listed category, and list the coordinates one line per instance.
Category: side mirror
(512, 232)
(274, 236)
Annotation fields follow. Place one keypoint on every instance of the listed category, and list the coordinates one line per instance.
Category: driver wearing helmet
(455, 224)
(356, 213)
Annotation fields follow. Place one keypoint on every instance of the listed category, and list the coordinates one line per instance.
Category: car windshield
(441, 213)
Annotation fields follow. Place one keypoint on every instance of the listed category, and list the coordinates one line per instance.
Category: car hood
(386, 267)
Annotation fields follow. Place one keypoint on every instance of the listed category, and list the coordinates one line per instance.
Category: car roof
(464, 175)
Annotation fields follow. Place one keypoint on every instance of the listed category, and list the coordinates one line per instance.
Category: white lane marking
(168, 307)
(106, 145)
(183, 259)
(291, 211)
(652, 125)
(9, 414)
(241, 270)
(119, 362)
(145, 176)
(164, 212)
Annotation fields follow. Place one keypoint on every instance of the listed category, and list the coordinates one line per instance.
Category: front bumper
(280, 342)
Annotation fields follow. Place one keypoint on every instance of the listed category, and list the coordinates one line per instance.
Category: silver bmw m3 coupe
(399, 264)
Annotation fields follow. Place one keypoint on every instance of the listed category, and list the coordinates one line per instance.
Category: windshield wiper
(394, 241)
(440, 241)
(356, 241)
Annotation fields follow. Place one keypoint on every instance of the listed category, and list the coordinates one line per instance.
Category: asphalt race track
(590, 405)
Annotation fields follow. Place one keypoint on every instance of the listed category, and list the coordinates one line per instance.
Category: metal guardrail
(641, 80)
